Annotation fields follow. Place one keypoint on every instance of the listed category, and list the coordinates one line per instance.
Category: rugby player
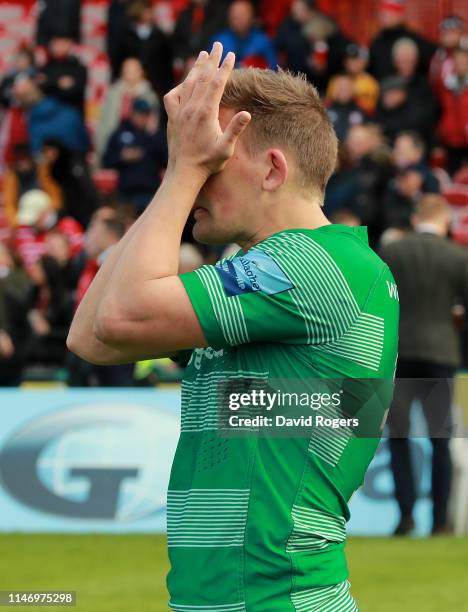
(255, 523)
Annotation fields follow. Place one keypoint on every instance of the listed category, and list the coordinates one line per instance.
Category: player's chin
(206, 232)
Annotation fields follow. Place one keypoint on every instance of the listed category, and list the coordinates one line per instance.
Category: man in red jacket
(453, 98)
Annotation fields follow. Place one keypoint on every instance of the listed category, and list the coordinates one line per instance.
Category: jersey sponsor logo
(204, 353)
(254, 271)
(392, 290)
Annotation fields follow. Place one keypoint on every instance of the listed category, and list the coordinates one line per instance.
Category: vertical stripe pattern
(228, 310)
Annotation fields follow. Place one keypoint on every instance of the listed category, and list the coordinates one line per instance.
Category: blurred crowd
(399, 107)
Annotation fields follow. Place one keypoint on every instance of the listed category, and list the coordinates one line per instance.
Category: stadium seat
(456, 194)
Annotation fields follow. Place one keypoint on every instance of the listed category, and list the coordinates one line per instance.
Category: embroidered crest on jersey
(254, 271)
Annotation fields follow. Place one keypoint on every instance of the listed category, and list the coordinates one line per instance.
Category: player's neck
(303, 214)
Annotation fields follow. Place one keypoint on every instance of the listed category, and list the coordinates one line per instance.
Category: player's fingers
(215, 88)
(192, 78)
(172, 100)
(216, 55)
(207, 75)
(235, 128)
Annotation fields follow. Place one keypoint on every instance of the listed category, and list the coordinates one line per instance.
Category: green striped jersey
(257, 523)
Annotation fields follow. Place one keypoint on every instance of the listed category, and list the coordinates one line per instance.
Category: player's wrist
(188, 171)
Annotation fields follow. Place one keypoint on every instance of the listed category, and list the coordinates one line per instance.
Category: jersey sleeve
(271, 295)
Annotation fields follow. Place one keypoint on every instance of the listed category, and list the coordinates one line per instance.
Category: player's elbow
(75, 339)
(86, 347)
(107, 328)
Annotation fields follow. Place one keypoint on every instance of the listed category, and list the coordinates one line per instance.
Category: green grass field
(127, 573)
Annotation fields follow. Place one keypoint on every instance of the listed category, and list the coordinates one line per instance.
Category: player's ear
(276, 173)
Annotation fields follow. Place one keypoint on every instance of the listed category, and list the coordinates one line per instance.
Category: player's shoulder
(336, 255)
(332, 246)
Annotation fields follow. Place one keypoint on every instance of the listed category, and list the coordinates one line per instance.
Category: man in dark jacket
(196, 25)
(64, 76)
(291, 40)
(65, 14)
(318, 60)
(397, 110)
(138, 150)
(393, 27)
(116, 24)
(431, 273)
(141, 38)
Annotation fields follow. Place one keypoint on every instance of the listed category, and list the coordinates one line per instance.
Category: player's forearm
(151, 251)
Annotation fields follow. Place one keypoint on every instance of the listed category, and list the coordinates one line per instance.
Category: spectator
(403, 193)
(65, 14)
(36, 218)
(396, 111)
(366, 88)
(138, 150)
(361, 180)
(453, 126)
(48, 118)
(452, 29)
(63, 76)
(405, 56)
(430, 272)
(291, 41)
(26, 174)
(71, 171)
(196, 25)
(328, 46)
(13, 126)
(251, 46)
(14, 328)
(409, 151)
(343, 110)
(141, 38)
(310, 42)
(116, 24)
(413, 179)
(23, 63)
(52, 309)
(119, 98)
(393, 27)
(105, 230)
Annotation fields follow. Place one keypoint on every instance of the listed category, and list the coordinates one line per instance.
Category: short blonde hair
(432, 207)
(287, 113)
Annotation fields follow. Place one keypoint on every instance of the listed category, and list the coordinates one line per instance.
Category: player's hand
(195, 137)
